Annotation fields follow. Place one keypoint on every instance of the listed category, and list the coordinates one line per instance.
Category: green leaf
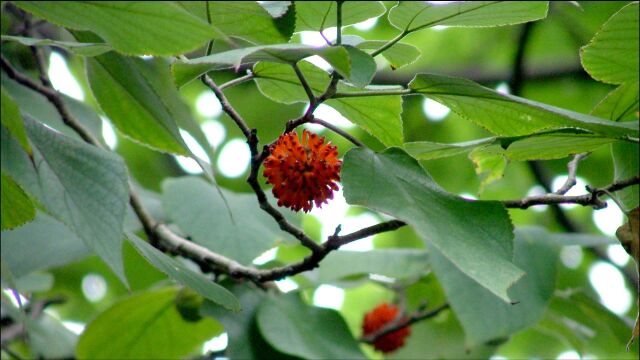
(78, 48)
(622, 105)
(397, 55)
(17, 208)
(379, 116)
(440, 338)
(475, 237)
(612, 55)
(490, 318)
(161, 28)
(395, 263)
(156, 72)
(362, 67)
(415, 15)
(339, 57)
(144, 326)
(289, 325)
(490, 163)
(197, 208)
(554, 146)
(84, 186)
(427, 150)
(177, 271)
(546, 145)
(12, 120)
(320, 15)
(124, 93)
(250, 21)
(510, 115)
(625, 162)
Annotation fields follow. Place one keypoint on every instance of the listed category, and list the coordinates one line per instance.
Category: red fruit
(377, 319)
(302, 172)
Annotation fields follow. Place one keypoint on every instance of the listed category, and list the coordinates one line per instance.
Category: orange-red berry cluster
(302, 172)
(376, 319)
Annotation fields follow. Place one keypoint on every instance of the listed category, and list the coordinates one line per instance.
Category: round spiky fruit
(303, 172)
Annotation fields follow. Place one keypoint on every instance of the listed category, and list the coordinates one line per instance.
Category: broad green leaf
(415, 15)
(612, 55)
(78, 48)
(250, 21)
(362, 67)
(320, 15)
(144, 326)
(339, 57)
(295, 328)
(34, 282)
(156, 72)
(17, 164)
(427, 150)
(379, 116)
(245, 340)
(197, 208)
(541, 146)
(130, 101)
(490, 318)
(397, 55)
(475, 237)
(510, 115)
(161, 28)
(17, 208)
(554, 146)
(622, 105)
(625, 162)
(440, 338)
(12, 120)
(395, 263)
(85, 187)
(490, 163)
(177, 271)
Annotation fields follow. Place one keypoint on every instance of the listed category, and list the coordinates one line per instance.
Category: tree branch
(572, 168)
(54, 98)
(592, 199)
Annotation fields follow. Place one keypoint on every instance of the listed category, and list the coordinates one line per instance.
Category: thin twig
(337, 130)
(226, 106)
(305, 85)
(572, 168)
(238, 81)
(404, 322)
